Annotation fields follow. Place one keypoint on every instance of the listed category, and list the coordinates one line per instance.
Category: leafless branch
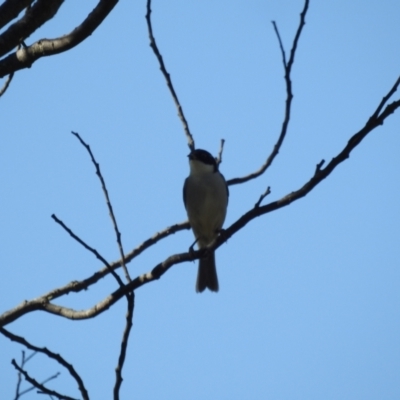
(130, 296)
(91, 249)
(124, 344)
(6, 84)
(10, 9)
(40, 386)
(262, 197)
(40, 12)
(19, 381)
(43, 303)
(26, 56)
(167, 77)
(78, 286)
(289, 97)
(69, 367)
(108, 202)
(221, 149)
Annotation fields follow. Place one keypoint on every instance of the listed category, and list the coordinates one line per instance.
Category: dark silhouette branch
(124, 344)
(78, 286)
(90, 249)
(6, 84)
(108, 202)
(262, 197)
(130, 296)
(69, 367)
(221, 150)
(10, 10)
(24, 360)
(289, 97)
(40, 386)
(43, 303)
(26, 56)
(167, 77)
(35, 16)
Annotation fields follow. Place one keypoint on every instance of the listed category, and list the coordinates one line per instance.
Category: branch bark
(26, 56)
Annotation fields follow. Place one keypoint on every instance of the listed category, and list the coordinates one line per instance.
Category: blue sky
(309, 298)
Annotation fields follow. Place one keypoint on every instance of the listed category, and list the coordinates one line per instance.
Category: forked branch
(27, 55)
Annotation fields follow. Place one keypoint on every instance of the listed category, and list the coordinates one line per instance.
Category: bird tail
(207, 274)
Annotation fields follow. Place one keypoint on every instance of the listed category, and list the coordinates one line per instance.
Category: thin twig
(129, 295)
(287, 66)
(108, 202)
(386, 98)
(50, 378)
(262, 197)
(221, 149)
(6, 84)
(91, 249)
(24, 361)
(69, 367)
(167, 77)
(40, 386)
(319, 166)
(17, 393)
(280, 45)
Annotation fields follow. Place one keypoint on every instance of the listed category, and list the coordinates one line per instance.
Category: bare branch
(91, 249)
(167, 77)
(289, 96)
(319, 165)
(69, 367)
(221, 149)
(40, 386)
(40, 12)
(386, 98)
(280, 45)
(43, 303)
(6, 84)
(25, 57)
(23, 361)
(124, 344)
(262, 197)
(108, 202)
(10, 9)
(77, 286)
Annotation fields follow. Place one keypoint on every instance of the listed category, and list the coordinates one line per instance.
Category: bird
(205, 196)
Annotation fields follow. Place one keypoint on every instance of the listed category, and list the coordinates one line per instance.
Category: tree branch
(124, 344)
(34, 18)
(43, 303)
(26, 56)
(287, 66)
(6, 84)
(69, 367)
(167, 77)
(10, 9)
(40, 386)
(108, 202)
(90, 249)
(78, 286)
